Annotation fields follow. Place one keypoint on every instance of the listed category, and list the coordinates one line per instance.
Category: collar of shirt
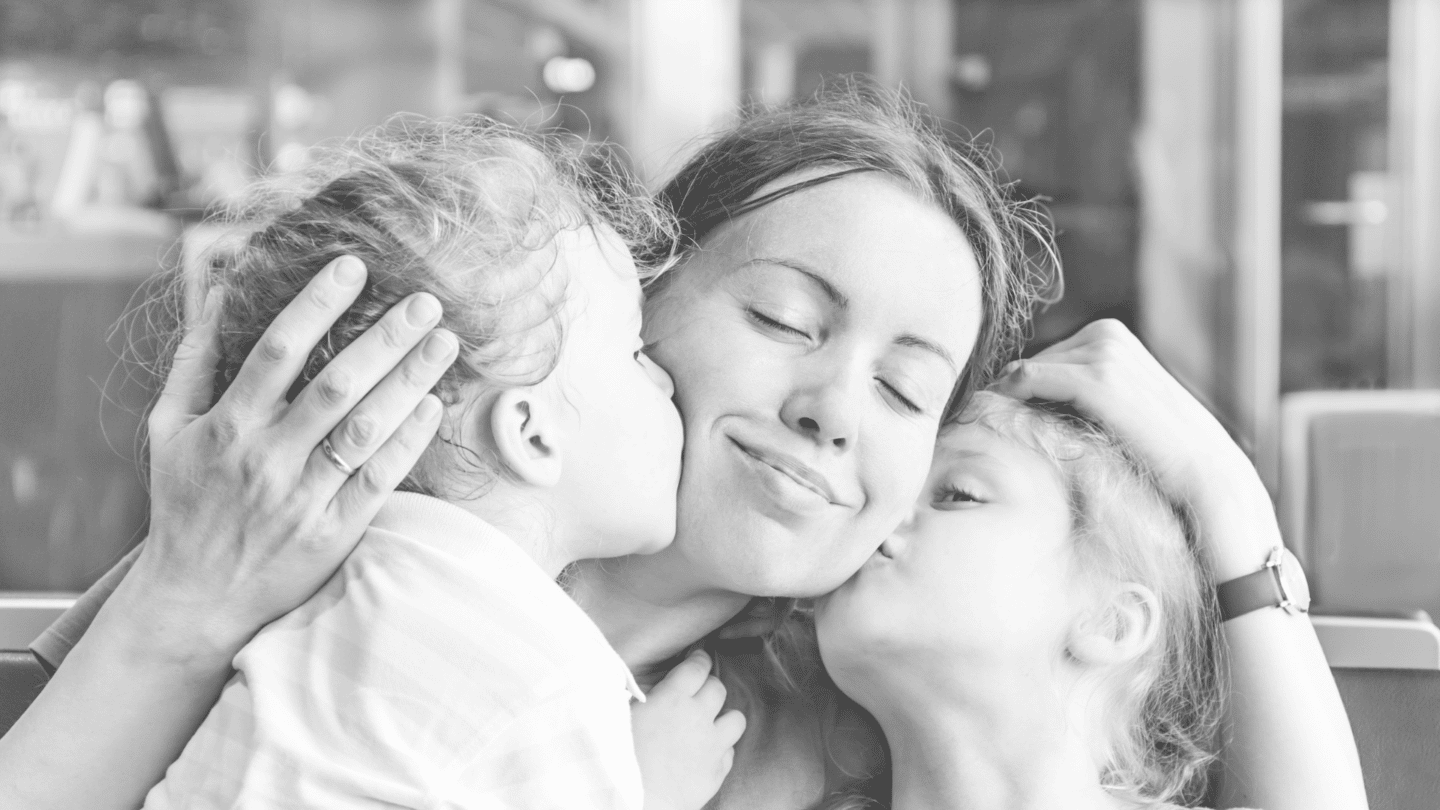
(473, 541)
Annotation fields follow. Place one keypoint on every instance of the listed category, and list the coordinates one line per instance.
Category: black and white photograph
(719, 404)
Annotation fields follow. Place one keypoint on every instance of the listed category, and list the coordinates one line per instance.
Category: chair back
(1395, 714)
(21, 679)
(1360, 496)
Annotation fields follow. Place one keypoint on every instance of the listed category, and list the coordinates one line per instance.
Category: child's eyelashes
(953, 495)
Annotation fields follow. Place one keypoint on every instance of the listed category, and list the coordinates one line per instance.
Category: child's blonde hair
(465, 209)
(1159, 721)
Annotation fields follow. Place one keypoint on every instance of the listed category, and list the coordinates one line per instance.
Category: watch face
(1292, 580)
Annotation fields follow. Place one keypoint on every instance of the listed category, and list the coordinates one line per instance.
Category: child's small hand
(685, 749)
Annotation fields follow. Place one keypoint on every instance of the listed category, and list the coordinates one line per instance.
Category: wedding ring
(334, 457)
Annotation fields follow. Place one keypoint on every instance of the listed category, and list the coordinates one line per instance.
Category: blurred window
(1335, 195)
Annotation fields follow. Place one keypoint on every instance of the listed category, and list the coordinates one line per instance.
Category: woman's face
(814, 344)
(979, 577)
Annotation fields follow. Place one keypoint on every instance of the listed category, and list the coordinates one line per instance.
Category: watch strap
(1241, 595)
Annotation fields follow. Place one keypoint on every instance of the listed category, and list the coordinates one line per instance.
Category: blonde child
(1039, 633)
(442, 666)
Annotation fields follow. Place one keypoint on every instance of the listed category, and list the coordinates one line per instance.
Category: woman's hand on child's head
(1107, 374)
(684, 744)
(248, 516)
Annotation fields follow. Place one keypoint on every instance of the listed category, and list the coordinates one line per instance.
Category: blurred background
(1251, 185)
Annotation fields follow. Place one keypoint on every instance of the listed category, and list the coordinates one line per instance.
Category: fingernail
(423, 309)
(349, 271)
(436, 348)
(428, 407)
(212, 304)
(1010, 368)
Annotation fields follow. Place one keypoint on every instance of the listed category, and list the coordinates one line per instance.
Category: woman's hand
(247, 520)
(685, 750)
(1107, 374)
(248, 517)
(1288, 742)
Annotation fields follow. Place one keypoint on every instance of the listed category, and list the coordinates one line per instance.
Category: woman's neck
(650, 608)
(1009, 747)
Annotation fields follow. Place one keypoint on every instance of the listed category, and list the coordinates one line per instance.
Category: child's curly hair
(465, 209)
(1159, 721)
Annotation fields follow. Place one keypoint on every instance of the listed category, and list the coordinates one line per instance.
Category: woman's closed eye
(906, 404)
(775, 324)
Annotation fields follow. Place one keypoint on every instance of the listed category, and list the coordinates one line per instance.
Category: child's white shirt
(438, 668)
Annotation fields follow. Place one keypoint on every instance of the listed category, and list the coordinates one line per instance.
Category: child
(442, 666)
(1039, 633)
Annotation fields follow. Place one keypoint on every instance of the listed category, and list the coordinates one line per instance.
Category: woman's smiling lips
(790, 469)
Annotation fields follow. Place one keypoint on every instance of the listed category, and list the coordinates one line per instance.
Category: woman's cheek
(900, 472)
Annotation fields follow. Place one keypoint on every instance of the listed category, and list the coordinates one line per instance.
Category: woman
(848, 273)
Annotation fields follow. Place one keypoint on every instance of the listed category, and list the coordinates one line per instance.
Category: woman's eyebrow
(915, 341)
(839, 299)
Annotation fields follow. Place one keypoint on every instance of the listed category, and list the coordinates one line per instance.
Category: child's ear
(528, 436)
(1120, 629)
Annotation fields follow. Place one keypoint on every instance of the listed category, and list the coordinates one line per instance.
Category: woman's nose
(827, 410)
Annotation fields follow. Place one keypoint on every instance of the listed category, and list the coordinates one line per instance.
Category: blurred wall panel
(1185, 316)
(1415, 169)
(360, 60)
(686, 77)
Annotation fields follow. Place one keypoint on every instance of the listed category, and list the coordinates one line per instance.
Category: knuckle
(275, 347)
(1110, 328)
(255, 468)
(393, 333)
(157, 422)
(322, 296)
(1107, 370)
(310, 537)
(334, 386)
(222, 428)
(414, 375)
(371, 480)
(360, 430)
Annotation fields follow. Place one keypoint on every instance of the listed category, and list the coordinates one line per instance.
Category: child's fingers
(711, 695)
(730, 726)
(688, 676)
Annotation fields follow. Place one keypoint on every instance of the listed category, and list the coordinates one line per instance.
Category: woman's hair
(465, 209)
(852, 125)
(1161, 712)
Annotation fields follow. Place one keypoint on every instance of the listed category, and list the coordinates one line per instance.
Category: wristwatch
(1281, 583)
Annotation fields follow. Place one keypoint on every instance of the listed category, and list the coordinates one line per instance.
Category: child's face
(621, 464)
(980, 575)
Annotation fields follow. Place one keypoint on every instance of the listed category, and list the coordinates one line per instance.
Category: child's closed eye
(955, 495)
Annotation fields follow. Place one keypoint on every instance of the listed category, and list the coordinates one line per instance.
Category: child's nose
(660, 376)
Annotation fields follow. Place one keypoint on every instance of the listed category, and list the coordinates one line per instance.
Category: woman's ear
(527, 435)
(1121, 628)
